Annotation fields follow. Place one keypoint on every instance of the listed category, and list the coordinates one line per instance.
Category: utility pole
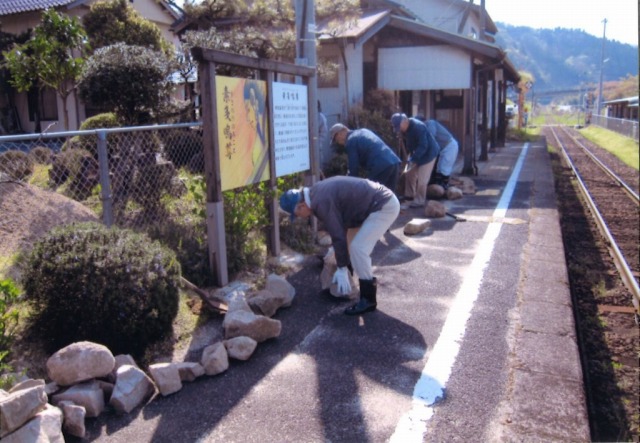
(604, 38)
(483, 20)
(306, 55)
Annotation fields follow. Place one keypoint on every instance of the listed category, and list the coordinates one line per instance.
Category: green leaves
(8, 315)
(52, 57)
(131, 80)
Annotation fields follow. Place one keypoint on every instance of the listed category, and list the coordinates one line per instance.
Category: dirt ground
(28, 212)
(608, 333)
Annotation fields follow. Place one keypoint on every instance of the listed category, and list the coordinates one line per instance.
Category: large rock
(435, 191)
(215, 359)
(167, 377)
(189, 371)
(416, 226)
(19, 407)
(266, 303)
(282, 288)
(278, 293)
(87, 394)
(132, 388)
(240, 348)
(79, 362)
(74, 415)
(435, 209)
(466, 184)
(45, 427)
(26, 384)
(454, 193)
(121, 360)
(258, 327)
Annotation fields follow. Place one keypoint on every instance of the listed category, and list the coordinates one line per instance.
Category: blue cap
(289, 200)
(396, 119)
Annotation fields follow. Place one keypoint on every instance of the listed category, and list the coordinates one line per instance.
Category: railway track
(612, 199)
(599, 220)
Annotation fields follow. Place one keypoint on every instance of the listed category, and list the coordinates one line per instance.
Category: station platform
(473, 339)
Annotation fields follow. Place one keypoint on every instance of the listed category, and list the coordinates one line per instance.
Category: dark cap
(289, 200)
(396, 119)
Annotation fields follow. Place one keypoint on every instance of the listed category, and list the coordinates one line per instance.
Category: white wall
(432, 67)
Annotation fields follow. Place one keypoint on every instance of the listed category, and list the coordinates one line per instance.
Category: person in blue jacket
(423, 151)
(448, 152)
(367, 151)
(356, 213)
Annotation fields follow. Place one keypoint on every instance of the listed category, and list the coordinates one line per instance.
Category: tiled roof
(8, 7)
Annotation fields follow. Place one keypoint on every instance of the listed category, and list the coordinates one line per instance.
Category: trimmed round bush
(41, 155)
(181, 145)
(90, 142)
(107, 285)
(16, 164)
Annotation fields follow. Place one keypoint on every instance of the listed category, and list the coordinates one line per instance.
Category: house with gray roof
(17, 110)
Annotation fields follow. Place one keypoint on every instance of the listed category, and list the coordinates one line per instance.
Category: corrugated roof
(8, 7)
(631, 100)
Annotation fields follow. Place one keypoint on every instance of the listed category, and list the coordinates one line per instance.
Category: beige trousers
(416, 182)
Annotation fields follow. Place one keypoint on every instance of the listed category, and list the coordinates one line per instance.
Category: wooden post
(273, 236)
(214, 206)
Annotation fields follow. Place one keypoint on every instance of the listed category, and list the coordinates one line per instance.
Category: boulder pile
(86, 378)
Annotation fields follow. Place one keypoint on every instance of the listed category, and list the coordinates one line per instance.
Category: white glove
(341, 279)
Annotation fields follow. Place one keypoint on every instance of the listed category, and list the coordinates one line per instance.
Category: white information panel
(291, 128)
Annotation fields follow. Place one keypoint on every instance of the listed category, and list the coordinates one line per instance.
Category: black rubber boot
(367, 302)
(445, 181)
(436, 178)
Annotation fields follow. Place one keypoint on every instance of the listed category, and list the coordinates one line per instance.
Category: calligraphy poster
(243, 132)
(291, 128)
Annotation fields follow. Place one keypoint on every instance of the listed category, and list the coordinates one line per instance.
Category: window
(44, 101)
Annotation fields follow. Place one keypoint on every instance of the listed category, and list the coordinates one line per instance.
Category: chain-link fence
(136, 177)
(619, 125)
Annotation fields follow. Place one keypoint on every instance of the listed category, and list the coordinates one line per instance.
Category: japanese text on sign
(291, 128)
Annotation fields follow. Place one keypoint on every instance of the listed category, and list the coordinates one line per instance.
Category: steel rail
(604, 167)
(621, 264)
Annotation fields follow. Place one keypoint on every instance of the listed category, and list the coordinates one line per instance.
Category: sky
(588, 15)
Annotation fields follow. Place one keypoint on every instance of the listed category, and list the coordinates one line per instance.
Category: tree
(110, 22)
(52, 57)
(263, 28)
(133, 81)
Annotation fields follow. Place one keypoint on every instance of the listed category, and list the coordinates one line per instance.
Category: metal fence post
(105, 194)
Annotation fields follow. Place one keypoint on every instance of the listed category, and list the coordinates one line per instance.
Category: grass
(625, 148)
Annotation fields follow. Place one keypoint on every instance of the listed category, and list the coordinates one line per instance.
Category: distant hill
(565, 58)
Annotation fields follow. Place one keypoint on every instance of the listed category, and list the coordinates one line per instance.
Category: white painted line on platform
(431, 384)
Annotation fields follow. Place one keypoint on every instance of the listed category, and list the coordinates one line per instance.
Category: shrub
(181, 146)
(187, 237)
(133, 81)
(16, 164)
(79, 169)
(8, 320)
(245, 219)
(41, 155)
(377, 121)
(110, 286)
(90, 142)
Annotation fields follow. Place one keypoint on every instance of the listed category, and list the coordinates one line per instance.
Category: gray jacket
(342, 203)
